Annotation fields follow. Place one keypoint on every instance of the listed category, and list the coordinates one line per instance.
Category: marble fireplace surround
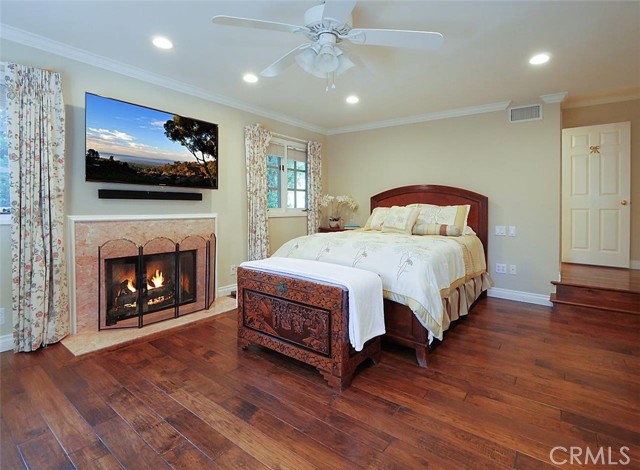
(87, 232)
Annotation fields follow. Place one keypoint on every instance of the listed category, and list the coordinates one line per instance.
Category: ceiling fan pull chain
(331, 81)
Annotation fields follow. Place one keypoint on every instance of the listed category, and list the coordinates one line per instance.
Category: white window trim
(279, 213)
(283, 212)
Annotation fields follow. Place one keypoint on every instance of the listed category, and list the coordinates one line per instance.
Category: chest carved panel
(300, 324)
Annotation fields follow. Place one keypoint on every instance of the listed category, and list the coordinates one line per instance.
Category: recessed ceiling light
(352, 99)
(539, 59)
(250, 78)
(162, 42)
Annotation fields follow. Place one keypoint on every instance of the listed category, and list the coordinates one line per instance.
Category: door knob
(624, 202)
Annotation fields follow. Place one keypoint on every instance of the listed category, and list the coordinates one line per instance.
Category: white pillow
(441, 215)
(376, 219)
(400, 219)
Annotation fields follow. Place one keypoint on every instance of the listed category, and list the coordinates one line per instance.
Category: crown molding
(54, 47)
(451, 113)
(554, 97)
(584, 102)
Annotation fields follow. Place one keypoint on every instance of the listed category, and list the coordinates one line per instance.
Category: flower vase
(335, 223)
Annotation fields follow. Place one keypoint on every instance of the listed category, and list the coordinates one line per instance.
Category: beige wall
(516, 165)
(229, 202)
(283, 229)
(610, 113)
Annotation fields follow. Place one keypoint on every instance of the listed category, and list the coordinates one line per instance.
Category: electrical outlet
(501, 268)
(512, 269)
(512, 230)
(2, 316)
(232, 270)
(501, 230)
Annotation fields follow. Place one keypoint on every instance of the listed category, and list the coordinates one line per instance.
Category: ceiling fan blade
(421, 40)
(340, 11)
(258, 24)
(284, 62)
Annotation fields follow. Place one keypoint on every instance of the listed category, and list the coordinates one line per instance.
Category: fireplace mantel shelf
(115, 217)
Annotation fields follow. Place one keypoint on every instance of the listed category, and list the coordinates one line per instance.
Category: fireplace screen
(158, 281)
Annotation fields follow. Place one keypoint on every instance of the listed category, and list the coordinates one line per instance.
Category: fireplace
(162, 279)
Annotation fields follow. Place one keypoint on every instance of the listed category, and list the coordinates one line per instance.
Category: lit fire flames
(156, 281)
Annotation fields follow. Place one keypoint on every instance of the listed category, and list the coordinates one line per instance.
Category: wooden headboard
(478, 218)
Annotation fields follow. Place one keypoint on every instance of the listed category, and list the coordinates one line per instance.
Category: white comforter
(415, 270)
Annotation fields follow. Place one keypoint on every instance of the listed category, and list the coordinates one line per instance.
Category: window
(5, 204)
(286, 178)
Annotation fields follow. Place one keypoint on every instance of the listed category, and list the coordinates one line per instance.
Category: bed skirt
(404, 328)
(459, 302)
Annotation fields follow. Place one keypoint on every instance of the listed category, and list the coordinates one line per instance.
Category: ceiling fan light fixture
(327, 60)
(308, 61)
(305, 60)
(344, 62)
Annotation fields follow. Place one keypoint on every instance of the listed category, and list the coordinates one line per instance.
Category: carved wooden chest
(304, 319)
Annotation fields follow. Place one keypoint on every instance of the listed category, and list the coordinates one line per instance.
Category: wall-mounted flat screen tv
(128, 143)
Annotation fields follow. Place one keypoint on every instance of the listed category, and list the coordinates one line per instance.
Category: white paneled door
(596, 177)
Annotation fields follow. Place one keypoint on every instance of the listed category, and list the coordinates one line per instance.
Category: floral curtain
(314, 175)
(256, 140)
(35, 139)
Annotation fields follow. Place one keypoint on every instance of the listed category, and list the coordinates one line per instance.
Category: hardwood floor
(510, 383)
(604, 288)
(626, 280)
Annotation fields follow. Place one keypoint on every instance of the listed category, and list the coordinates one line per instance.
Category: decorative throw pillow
(438, 229)
(440, 215)
(400, 219)
(376, 219)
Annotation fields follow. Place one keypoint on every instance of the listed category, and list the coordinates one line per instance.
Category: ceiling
(594, 47)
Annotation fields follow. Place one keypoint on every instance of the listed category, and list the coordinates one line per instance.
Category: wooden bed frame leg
(376, 357)
(422, 352)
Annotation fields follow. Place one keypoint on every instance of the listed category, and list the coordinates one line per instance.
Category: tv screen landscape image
(133, 144)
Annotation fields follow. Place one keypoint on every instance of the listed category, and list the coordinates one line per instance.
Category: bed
(407, 321)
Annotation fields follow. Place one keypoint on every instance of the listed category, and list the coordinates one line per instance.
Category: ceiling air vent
(525, 113)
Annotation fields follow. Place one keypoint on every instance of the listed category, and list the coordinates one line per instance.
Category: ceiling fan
(327, 25)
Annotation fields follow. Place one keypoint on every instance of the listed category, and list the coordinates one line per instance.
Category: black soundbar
(164, 195)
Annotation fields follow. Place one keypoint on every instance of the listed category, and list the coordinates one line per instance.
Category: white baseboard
(634, 264)
(527, 297)
(227, 290)
(6, 342)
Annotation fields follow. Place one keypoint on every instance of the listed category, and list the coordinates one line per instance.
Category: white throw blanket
(366, 315)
